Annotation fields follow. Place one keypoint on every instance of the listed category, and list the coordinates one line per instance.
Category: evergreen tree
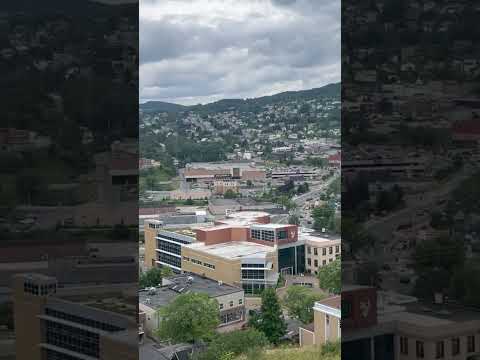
(270, 321)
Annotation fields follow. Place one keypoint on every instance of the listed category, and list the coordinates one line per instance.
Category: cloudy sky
(199, 51)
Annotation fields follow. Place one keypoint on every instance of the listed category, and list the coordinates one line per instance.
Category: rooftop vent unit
(220, 282)
(190, 279)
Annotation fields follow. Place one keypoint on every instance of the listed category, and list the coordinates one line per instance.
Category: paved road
(300, 201)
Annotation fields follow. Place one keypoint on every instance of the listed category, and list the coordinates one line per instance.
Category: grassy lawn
(296, 353)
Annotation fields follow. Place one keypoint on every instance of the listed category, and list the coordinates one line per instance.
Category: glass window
(315, 251)
(324, 262)
(455, 346)
(240, 301)
(315, 263)
(330, 250)
(471, 343)
(403, 344)
(337, 249)
(282, 235)
(231, 303)
(324, 251)
(309, 250)
(420, 349)
(221, 306)
(439, 350)
(309, 261)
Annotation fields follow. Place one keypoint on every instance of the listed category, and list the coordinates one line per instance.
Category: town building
(326, 323)
(222, 185)
(53, 322)
(231, 300)
(320, 251)
(163, 247)
(206, 172)
(230, 248)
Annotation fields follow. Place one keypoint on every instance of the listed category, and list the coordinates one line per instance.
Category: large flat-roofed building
(207, 172)
(320, 251)
(55, 323)
(326, 323)
(231, 300)
(163, 247)
(249, 265)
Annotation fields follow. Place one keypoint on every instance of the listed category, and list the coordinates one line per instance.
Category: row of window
(230, 317)
(81, 320)
(39, 290)
(72, 338)
(324, 250)
(198, 262)
(265, 235)
(169, 247)
(315, 262)
(439, 347)
(253, 265)
(253, 274)
(170, 259)
(174, 239)
(231, 303)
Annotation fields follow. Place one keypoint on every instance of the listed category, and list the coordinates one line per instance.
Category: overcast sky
(199, 51)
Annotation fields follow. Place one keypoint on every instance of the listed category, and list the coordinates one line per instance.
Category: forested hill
(327, 91)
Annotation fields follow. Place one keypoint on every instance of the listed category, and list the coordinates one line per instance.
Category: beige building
(230, 299)
(248, 265)
(326, 324)
(320, 252)
(221, 186)
(73, 322)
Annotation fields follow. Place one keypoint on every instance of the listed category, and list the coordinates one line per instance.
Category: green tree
(230, 194)
(330, 277)
(235, 343)
(189, 318)
(154, 276)
(270, 321)
(294, 219)
(299, 302)
(322, 217)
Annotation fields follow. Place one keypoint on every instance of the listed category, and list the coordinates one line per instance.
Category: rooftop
(175, 285)
(320, 240)
(234, 249)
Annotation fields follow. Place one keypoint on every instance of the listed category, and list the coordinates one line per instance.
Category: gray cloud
(199, 54)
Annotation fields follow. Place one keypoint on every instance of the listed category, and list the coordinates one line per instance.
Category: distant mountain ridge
(330, 90)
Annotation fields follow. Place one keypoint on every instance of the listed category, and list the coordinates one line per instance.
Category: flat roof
(233, 249)
(176, 285)
(319, 239)
(270, 226)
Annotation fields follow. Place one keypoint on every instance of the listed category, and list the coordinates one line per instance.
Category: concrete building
(390, 326)
(221, 186)
(231, 300)
(320, 251)
(65, 323)
(326, 323)
(163, 247)
(206, 172)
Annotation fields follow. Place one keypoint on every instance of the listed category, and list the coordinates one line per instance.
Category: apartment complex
(54, 323)
(326, 323)
(389, 326)
(320, 251)
(231, 300)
